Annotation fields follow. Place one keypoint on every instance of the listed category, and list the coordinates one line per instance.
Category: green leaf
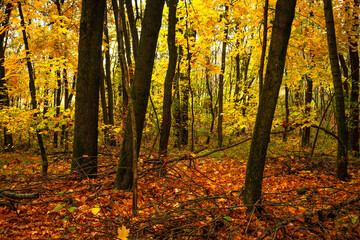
(61, 193)
(60, 206)
(71, 229)
(71, 209)
(227, 218)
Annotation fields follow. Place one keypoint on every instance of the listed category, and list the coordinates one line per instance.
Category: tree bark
(221, 84)
(166, 119)
(4, 97)
(342, 160)
(305, 141)
(354, 94)
(140, 91)
(264, 44)
(284, 15)
(90, 71)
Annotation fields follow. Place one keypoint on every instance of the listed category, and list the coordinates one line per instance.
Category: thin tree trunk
(110, 98)
(354, 94)
(264, 44)
(132, 23)
(170, 74)
(287, 113)
(211, 107)
(305, 142)
(57, 105)
(342, 159)
(4, 97)
(121, 51)
(221, 84)
(32, 88)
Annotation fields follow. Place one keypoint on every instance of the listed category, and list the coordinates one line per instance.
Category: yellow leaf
(95, 210)
(123, 233)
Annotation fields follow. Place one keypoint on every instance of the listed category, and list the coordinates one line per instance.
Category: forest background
(206, 77)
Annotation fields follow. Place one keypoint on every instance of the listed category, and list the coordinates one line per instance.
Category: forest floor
(201, 199)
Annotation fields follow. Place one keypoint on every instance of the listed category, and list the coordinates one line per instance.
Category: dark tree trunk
(284, 15)
(90, 72)
(221, 85)
(110, 98)
(140, 91)
(346, 75)
(305, 142)
(121, 52)
(4, 97)
(342, 160)
(354, 94)
(104, 108)
(210, 106)
(166, 120)
(57, 105)
(32, 88)
(264, 44)
(287, 114)
(132, 23)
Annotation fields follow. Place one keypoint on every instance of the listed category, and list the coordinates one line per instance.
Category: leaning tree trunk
(342, 161)
(284, 15)
(166, 120)
(140, 90)
(90, 72)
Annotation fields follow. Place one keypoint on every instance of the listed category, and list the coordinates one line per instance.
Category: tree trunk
(221, 84)
(90, 72)
(284, 15)
(32, 88)
(354, 94)
(4, 97)
(166, 119)
(342, 160)
(121, 51)
(110, 98)
(263, 48)
(132, 23)
(287, 113)
(140, 91)
(57, 105)
(305, 142)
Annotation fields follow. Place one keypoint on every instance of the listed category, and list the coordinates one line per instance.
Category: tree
(354, 131)
(167, 99)
(342, 161)
(4, 97)
(140, 91)
(284, 15)
(34, 104)
(221, 83)
(90, 71)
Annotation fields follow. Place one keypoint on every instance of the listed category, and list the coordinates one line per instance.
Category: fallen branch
(19, 196)
(322, 214)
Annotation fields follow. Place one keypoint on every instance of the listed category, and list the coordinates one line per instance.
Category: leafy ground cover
(199, 199)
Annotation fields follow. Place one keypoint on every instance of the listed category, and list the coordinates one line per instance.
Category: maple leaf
(123, 233)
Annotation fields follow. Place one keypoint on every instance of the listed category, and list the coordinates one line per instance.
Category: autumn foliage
(194, 188)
